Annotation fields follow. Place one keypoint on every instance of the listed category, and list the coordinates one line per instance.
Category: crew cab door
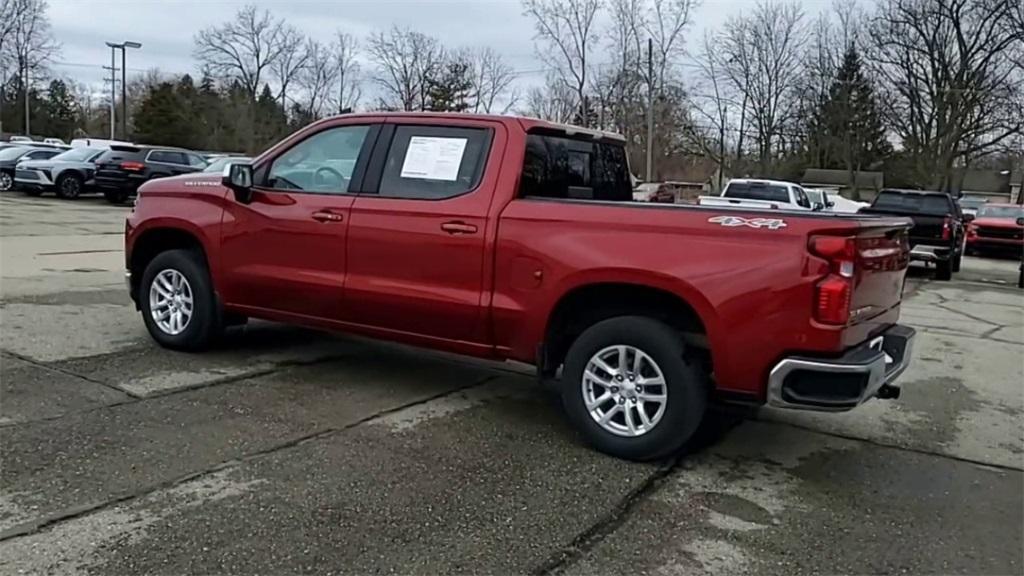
(416, 246)
(284, 251)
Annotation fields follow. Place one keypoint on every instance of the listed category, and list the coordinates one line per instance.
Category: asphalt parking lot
(292, 451)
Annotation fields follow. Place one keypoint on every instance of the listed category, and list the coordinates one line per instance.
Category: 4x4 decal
(735, 221)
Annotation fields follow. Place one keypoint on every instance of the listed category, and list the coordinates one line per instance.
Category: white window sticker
(430, 158)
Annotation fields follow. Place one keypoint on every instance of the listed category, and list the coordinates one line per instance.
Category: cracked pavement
(295, 451)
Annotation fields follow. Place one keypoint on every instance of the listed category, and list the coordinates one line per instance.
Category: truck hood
(995, 222)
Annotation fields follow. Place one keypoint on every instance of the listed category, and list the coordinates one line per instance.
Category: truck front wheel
(629, 388)
(177, 301)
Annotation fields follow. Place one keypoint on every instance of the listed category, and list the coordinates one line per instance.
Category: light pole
(124, 86)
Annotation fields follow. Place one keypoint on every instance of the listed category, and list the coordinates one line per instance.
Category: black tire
(206, 324)
(6, 181)
(115, 196)
(944, 270)
(686, 387)
(70, 186)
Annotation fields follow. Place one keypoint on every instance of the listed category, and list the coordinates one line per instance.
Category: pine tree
(451, 89)
(846, 130)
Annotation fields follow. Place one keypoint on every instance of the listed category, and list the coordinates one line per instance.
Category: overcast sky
(166, 27)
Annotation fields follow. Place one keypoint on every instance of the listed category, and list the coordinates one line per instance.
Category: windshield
(77, 155)
(815, 196)
(1012, 212)
(219, 164)
(13, 153)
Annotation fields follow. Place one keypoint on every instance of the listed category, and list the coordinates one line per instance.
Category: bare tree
(405, 62)
(292, 59)
(762, 52)
(244, 49)
(317, 79)
(953, 87)
(27, 43)
(665, 23)
(713, 95)
(566, 27)
(555, 101)
(349, 82)
(492, 81)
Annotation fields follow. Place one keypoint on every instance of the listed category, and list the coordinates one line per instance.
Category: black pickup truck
(938, 233)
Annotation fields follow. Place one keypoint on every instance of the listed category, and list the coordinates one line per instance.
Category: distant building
(867, 183)
(1017, 186)
(995, 185)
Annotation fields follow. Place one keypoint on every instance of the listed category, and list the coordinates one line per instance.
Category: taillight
(833, 293)
(947, 229)
(133, 166)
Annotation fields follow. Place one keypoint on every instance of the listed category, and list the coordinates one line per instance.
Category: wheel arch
(154, 240)
(585, 304)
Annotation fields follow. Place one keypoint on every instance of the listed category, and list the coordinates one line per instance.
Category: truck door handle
(324, 216)
(457, 227)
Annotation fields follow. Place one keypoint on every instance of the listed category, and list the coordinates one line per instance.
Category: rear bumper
(840, 384)
(925, 253)
(123, 184)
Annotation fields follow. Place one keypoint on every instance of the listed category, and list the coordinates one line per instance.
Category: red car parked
(995, 228)
(514, 238)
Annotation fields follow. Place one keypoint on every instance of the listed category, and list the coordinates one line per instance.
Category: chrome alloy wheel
(6, 182)
(624, 391)
(170, 301)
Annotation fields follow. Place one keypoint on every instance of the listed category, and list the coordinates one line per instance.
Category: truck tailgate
(883, 254)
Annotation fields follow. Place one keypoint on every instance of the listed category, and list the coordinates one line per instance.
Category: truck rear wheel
(629, 388)
(177, 301)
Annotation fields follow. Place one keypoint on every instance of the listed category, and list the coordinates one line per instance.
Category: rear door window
(558, 166)
(167, 157)
(434, 162)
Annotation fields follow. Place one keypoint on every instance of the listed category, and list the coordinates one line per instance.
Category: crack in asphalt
(59, 370)
(41, 524)
(948, 332)
(942, 306)
(590, 538)
(880, 444)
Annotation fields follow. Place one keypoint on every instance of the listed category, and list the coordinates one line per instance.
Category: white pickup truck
(763, 194)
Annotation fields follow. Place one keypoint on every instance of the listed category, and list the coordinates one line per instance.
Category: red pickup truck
(517, 239)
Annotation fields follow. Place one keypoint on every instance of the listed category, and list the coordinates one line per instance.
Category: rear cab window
(579, 168)
(757, 191)
(930, 204)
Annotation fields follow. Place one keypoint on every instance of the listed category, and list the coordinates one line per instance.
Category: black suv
(938, 234)
(122, 169)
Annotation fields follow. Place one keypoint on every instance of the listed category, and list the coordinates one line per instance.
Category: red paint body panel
(389, 270)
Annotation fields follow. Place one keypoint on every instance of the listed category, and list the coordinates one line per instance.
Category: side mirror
(1020, 221)
(238, 177)
(817, 206)
(969, 217)
(829, 204)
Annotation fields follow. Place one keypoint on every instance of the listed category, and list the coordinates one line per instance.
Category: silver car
(69, 174)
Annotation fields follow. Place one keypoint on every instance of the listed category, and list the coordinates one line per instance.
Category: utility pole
(124, 97)
(341, 87)
(123, 47)
(28, 103)
(721, 147)
(113, 91)
(650, 110)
